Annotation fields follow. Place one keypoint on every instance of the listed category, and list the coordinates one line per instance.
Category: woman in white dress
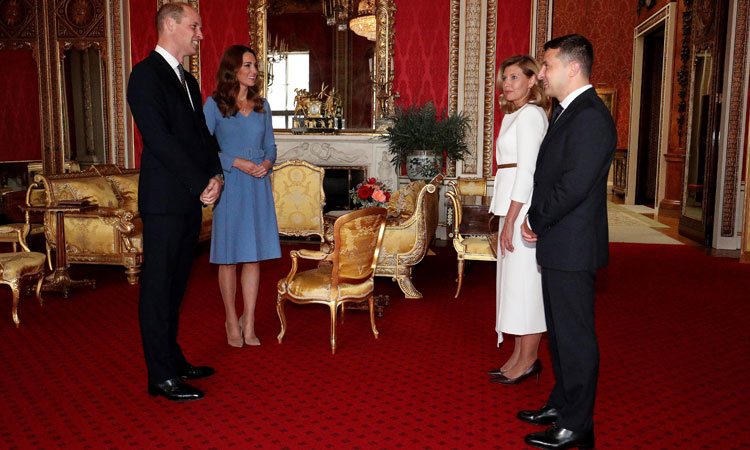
(520, 311)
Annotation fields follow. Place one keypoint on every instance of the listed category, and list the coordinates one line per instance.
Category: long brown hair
(227, 86)
(529, 67)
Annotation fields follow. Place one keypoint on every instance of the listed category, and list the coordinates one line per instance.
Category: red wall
(20, 133)
(421, 52)
(609, 26)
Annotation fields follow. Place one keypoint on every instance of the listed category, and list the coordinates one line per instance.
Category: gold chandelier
(357, 15)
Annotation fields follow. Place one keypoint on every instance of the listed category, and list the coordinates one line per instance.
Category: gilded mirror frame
(383, 107)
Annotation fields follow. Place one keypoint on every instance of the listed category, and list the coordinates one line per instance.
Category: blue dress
(244, 224)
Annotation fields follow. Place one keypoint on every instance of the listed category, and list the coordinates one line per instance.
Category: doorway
(649, 121)
(648, 137)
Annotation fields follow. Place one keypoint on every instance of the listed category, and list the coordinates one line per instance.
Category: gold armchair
(299, 198)
(18, 268)
(348, 278)
(469, 214)
(408, 236)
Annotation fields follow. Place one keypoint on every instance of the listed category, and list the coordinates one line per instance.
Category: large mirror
(335, 48)
(84, 112)
(699, 140)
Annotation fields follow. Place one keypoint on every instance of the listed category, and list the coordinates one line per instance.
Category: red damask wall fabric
(513, 33)
(609, 25)
(421, 52)
(19, 116)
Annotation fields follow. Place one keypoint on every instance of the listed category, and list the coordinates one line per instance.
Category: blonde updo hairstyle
(529, 67)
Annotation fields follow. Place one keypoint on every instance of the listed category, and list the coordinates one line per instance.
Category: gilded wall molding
(683, 75)
(541, 28)
(453, 62)
(472, 79)
(489, 89)
(736, 110)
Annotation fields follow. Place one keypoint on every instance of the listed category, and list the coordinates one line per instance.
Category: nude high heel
(234, 341)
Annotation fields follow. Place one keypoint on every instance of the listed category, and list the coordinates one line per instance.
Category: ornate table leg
(59, 280)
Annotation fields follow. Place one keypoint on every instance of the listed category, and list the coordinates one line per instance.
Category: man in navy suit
(180, 168)
(568, 221)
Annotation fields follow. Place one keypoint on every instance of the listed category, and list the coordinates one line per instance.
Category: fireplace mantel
(339, 150)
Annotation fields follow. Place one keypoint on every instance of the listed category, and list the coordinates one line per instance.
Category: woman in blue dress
(244, 222)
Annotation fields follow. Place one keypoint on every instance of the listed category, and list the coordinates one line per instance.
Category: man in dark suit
(180, 168)
(568, 221)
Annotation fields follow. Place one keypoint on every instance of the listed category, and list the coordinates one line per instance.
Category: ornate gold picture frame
(609, 97)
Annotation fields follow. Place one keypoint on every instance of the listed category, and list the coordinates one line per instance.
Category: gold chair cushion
(477, 246)
(357, 246)
(315, 284)
(126, 187)
(297, 195)
(95, 189)
(403, 202)
(16, 265)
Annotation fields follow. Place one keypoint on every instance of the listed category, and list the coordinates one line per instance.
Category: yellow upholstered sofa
(413, 219)
(112, 233)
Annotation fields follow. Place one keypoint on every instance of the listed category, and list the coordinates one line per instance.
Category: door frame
(666, 16)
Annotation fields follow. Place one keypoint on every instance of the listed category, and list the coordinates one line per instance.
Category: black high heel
(535, 369)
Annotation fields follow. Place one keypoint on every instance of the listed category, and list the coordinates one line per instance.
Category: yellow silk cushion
(297, 196)
(16, 265)
(477, 245)
(315, 284)
(126, 187)
(403, 202)
(356, 247)
(96, 190)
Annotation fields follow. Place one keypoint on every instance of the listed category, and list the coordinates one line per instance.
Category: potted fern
(422, 139)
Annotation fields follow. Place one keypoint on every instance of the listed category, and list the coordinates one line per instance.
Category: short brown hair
(227, 86)
(529, 67)
(173, 10)
(574, 47)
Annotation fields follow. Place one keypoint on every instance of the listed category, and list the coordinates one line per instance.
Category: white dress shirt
(173, 63)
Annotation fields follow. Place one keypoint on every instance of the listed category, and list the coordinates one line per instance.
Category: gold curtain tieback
(507, 166)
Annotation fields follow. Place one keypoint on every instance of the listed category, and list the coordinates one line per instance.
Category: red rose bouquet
(370, 192)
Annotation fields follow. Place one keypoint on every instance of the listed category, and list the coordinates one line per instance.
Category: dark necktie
(181, 72)
(555, 112)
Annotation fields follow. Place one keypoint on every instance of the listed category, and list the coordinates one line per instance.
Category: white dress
(520, 309)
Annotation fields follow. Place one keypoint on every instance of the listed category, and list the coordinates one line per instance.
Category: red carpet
(672, 323)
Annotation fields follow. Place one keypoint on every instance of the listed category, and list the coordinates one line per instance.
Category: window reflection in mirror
(699, 139)
(336, 59)
(84, 112)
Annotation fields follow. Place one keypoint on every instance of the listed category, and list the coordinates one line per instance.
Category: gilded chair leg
(49, 256)
(341, 314)
(132, 274)
(16, 297)
(333, 307)
(407, 287)
(371, 302)
(282, 317)
(39, 289)
(460, 276)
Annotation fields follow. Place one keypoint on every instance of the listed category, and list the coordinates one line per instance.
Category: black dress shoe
(195, 372)
(175, 389)
(495, 372)
(535, 369)
(544, 416)
(555, 437)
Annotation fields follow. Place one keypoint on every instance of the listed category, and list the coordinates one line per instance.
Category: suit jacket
(179, 154)
(569, 205)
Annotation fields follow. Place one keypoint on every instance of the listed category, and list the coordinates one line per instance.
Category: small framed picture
(609, 97)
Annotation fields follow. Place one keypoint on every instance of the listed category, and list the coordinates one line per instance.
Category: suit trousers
(169, 242)
(569, 311)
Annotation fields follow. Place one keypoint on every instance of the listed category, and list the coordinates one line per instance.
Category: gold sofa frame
(124, 227)
(406, 242)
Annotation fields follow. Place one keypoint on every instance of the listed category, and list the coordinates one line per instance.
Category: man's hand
(526, 233)
(211, 194)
